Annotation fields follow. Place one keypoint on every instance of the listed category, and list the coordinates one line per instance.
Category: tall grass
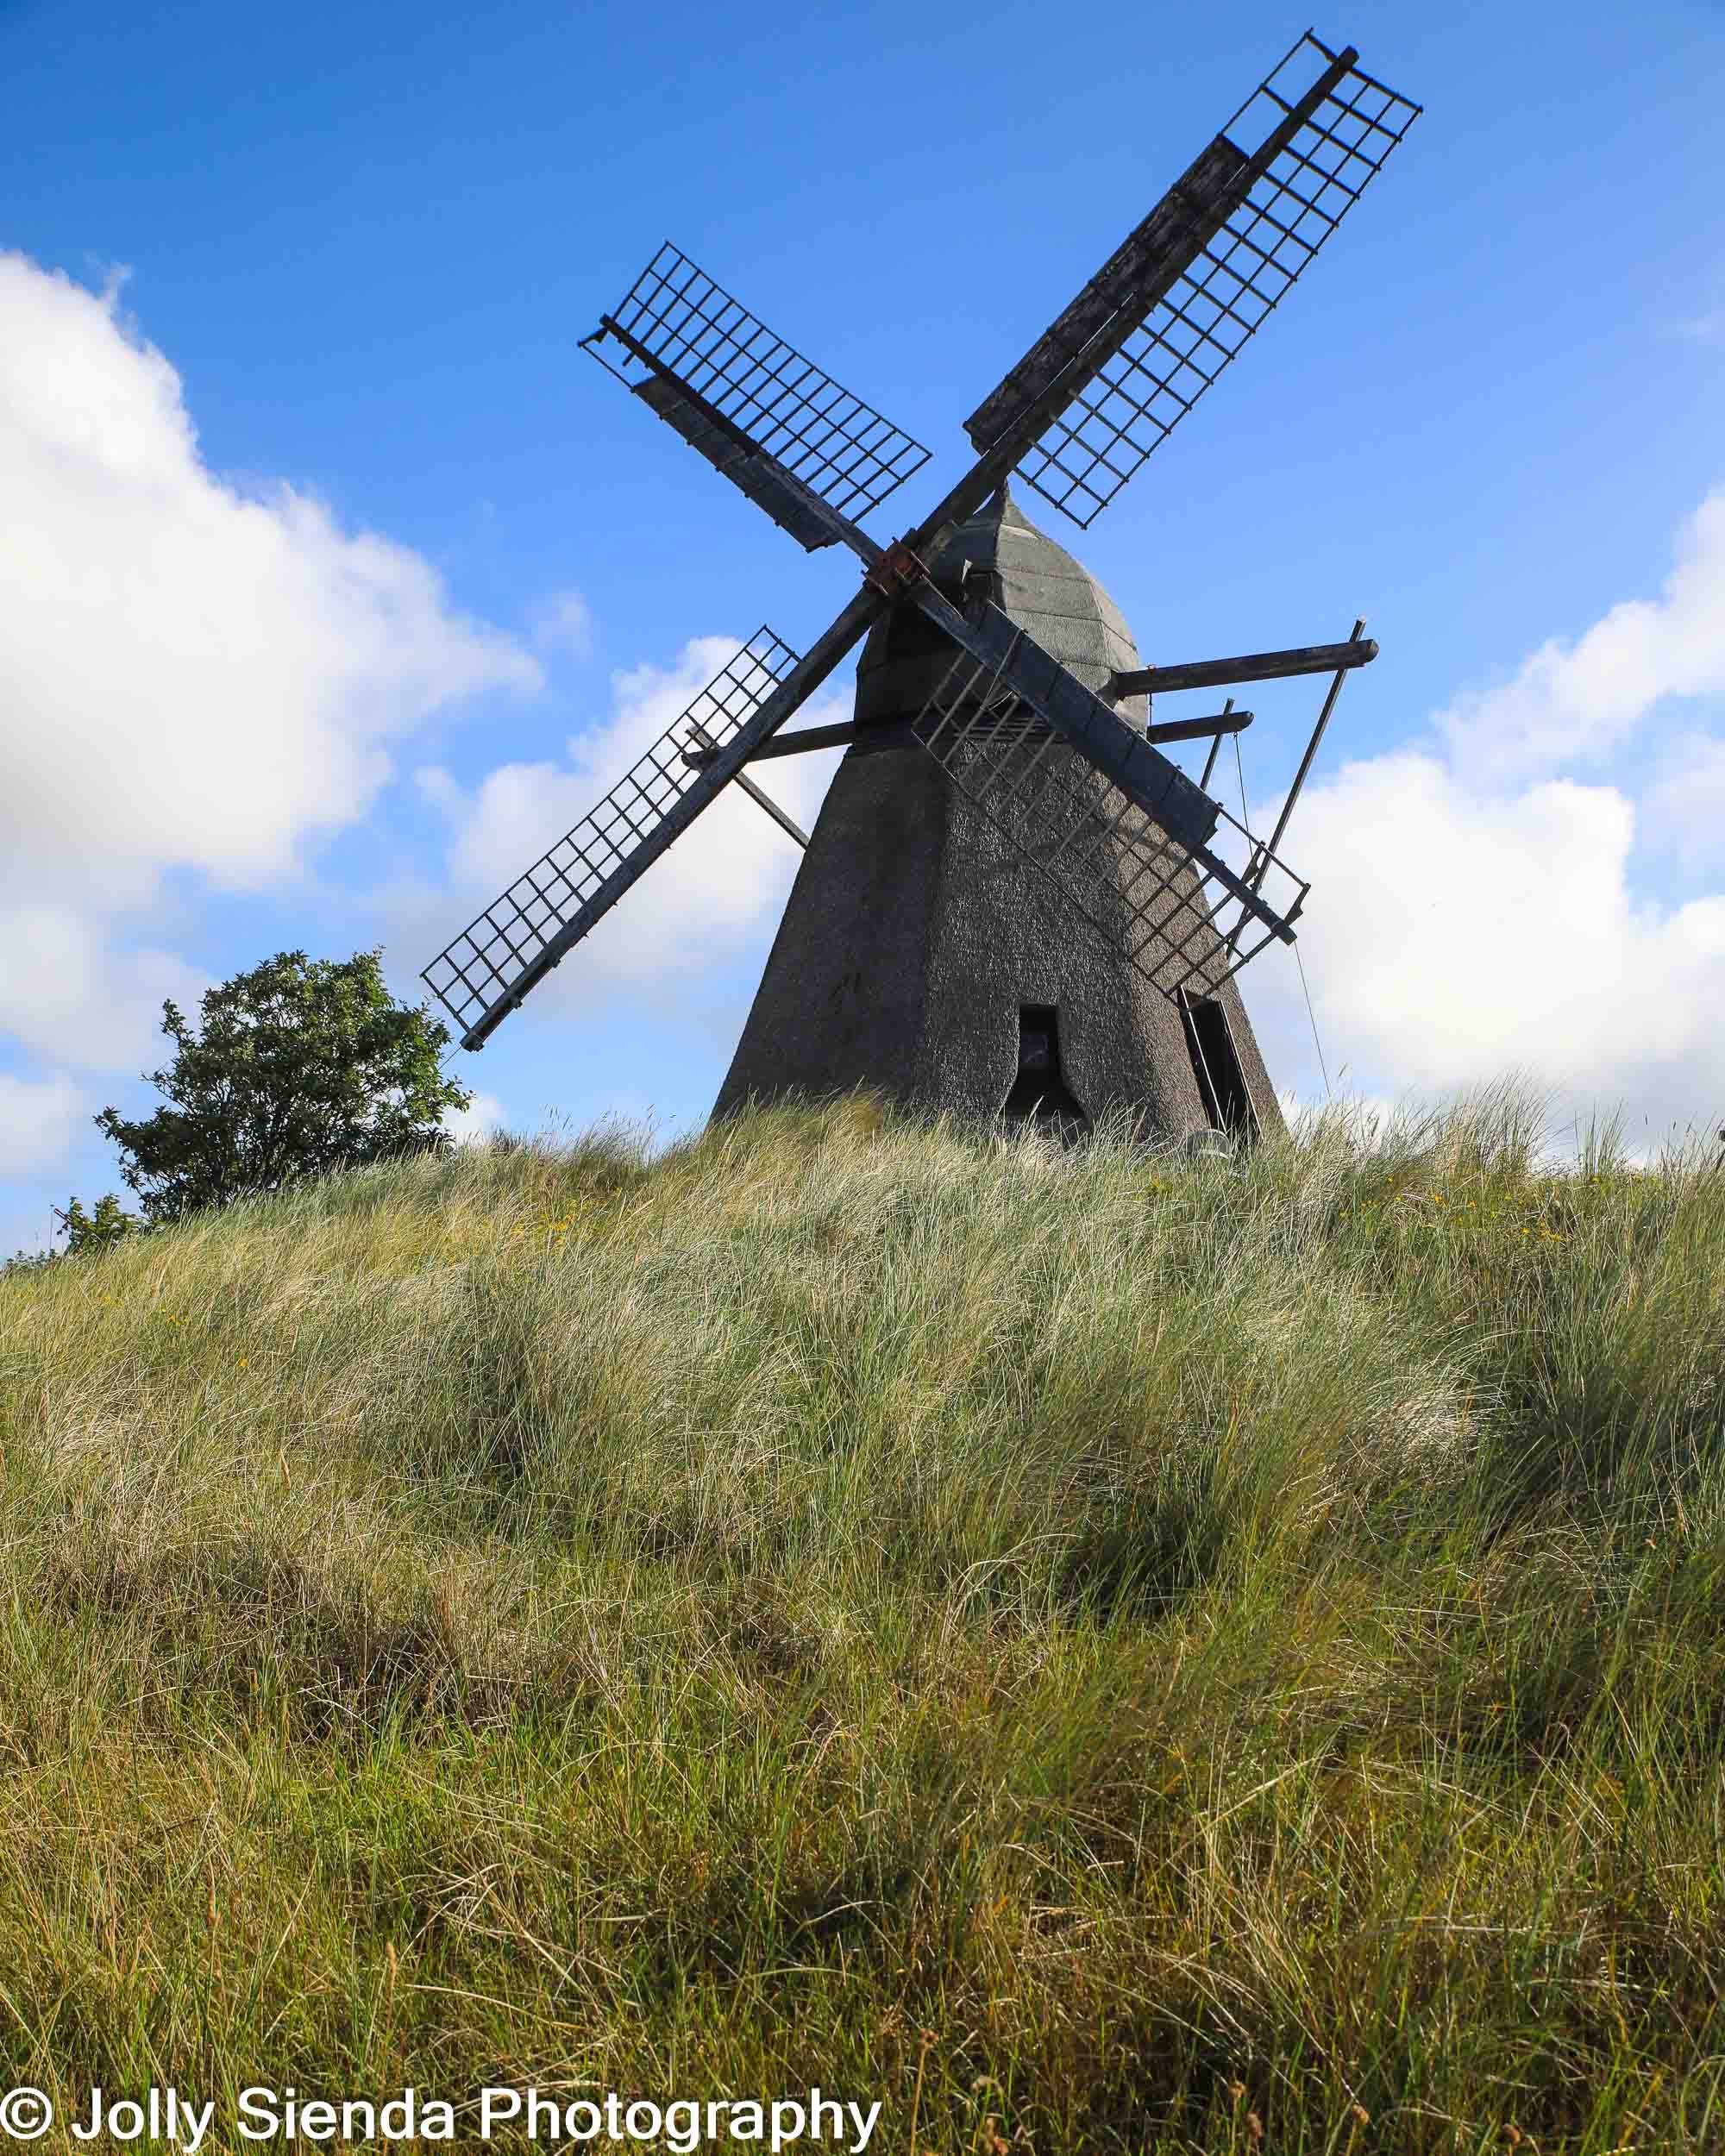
(1100, 1651)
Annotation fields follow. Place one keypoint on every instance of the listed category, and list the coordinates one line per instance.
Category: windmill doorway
(1216, 1066)
(1040, 1094)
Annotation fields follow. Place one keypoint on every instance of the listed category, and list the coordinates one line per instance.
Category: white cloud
(564, 624)
(721, 882)
(194, 676)
(1471, 917)
(471, 1126)
(198, 676)
(68, 996)
(1687, 802)
(38, 1119)
(1578, 701)
(1452, 935)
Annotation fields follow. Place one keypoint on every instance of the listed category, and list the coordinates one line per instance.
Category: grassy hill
(1095, 1653)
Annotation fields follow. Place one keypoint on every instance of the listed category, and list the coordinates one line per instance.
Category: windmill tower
(1014, 902)
(922, 952)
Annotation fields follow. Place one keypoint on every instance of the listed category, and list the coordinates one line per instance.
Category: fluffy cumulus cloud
(70, 995)
(1577, 702)
(1474, 913)
(197, 677)
(721, 884)
(1455, 935)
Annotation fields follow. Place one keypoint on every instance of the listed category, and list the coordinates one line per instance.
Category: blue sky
(334, 572)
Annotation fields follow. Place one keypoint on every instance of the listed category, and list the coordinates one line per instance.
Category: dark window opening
(1216, 1066)
(1040, 1093)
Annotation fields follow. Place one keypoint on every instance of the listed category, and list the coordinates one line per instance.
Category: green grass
(1099, 1652)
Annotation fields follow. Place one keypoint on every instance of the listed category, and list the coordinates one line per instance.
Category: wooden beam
(796, 744)
(786, 823)
(1311, 750)
(1252, 665)
(841, 736)
(1229, 722)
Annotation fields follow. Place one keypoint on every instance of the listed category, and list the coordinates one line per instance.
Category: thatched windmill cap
(1033, 581)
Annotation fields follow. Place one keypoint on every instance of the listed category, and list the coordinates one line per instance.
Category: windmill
(1014, 901)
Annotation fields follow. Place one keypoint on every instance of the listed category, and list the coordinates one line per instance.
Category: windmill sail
(1183, 918)
(1073, 347)
(809, 521)
(1114, 376)
(1041, 685)
(677, 327)
(490, 967)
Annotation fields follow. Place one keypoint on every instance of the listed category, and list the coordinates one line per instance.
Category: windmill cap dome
(1033, 581)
